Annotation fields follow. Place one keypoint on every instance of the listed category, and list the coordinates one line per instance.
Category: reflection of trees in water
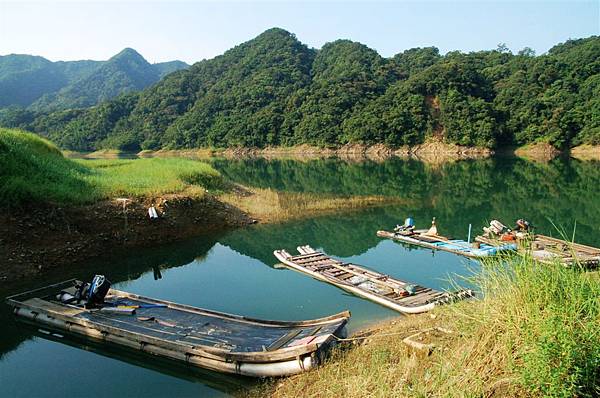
(471, 191)
(336, 234)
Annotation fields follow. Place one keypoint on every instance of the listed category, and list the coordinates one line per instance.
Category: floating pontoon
(198, 337)
(382, 289)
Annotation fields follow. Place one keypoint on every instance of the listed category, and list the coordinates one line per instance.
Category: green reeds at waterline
(33, 170)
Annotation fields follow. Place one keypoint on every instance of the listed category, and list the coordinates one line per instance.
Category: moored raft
(456, 246)
(198, 337)
(547, 249)
(382, 289)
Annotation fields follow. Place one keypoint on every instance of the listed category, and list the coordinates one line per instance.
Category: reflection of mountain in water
(335, 234)
(474, 191)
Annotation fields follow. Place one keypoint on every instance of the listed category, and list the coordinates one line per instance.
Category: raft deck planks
(380, 288)
(203, 338)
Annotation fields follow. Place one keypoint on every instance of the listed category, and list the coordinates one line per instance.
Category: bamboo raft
(456, 246)
(546, 249)
(198, 337)
(382, 289)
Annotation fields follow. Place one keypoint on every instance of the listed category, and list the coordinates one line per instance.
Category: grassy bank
(535, 334)
(34, 170)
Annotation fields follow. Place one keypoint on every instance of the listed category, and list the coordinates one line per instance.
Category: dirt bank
(432, 151)
(37, 238)
(429, 151)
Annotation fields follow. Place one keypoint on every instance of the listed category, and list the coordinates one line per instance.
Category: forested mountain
(25, 78)
(125, 72)
(274, 90)
(164, 68)
(42, 85)
(345, 75)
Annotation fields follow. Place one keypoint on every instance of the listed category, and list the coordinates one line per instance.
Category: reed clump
(534, 334)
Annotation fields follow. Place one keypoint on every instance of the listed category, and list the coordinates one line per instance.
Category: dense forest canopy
(32, 82)
(274, 90)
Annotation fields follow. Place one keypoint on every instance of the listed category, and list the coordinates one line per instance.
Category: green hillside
(345, 75)
(164, 68)
(274, 90)
(125, 72)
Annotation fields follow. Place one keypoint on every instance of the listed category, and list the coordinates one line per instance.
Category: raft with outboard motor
(382, 289)
(195, 336)
(542, 248)
(430, 239)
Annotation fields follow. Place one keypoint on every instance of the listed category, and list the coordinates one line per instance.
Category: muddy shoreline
(38, 238)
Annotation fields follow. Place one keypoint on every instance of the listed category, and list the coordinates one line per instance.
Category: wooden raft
(547, 249)
(204, 338)
(456, 246)
(382, 289)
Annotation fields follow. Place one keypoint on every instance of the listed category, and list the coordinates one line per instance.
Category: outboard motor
(408, 226)
(93, 293)
(523, 228)
(495, 229)
(98, 290)
(523, 225)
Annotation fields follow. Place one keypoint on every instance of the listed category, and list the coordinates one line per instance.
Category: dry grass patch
(268, 205)
(469, 362)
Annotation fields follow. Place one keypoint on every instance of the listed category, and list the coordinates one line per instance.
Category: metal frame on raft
(298, 347)
(379, 288)
(456, 246)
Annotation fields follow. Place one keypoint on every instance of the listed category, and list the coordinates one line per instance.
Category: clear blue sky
(193, 30)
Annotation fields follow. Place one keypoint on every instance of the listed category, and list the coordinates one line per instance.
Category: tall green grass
(547, 320)
(33, 170)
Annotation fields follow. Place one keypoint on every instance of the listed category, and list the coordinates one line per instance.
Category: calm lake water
(234, 271)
